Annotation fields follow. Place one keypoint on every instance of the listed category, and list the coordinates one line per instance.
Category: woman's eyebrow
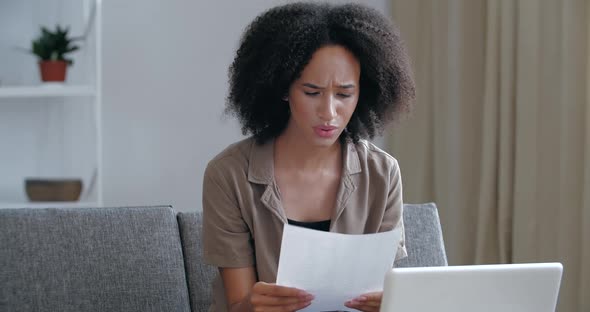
(343, 86)
(311, 85)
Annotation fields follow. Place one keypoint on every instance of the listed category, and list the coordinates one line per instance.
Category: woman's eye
(344, 95)
(311, 93)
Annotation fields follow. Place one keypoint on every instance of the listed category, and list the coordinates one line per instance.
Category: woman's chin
(324, 141)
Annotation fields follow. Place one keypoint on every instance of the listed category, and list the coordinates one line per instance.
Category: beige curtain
(500, 136)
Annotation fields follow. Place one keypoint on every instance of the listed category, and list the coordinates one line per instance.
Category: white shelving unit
(46, 101)
(46, 91)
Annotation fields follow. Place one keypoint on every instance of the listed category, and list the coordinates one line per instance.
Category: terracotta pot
(53, 70)
(53, 189)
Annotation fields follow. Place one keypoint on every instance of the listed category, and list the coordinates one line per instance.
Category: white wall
(164, 83)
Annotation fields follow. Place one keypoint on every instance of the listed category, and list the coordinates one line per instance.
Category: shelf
(50, 90)
(48, 205)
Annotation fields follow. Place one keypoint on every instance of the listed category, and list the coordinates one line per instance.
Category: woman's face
(323, 99)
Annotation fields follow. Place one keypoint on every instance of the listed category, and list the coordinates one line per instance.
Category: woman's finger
(278, 291)
(362, 307)
(284, 308)
(366, 308)
(364, 303)
(374, 296)
(266, 300)
(368, 302)
(370, 299)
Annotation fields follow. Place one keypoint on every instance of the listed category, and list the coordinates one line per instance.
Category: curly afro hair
(280, 42)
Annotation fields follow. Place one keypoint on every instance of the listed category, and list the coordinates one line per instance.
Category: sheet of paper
(335, 267)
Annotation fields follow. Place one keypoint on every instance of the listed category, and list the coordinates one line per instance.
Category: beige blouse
(243, 218)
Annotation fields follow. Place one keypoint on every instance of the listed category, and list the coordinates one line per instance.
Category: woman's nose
(327, 109)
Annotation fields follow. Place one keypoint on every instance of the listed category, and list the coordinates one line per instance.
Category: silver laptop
(532, 287)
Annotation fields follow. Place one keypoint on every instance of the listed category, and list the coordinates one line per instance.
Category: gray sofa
(133, 258)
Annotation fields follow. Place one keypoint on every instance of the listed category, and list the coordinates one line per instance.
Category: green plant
(54, 46)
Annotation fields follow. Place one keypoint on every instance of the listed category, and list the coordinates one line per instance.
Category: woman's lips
(325, 131)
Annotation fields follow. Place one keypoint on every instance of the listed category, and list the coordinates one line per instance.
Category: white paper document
(335, 267)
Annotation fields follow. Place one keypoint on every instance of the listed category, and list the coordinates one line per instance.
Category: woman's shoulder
(235, 150)
(233, 159)
(374, 158)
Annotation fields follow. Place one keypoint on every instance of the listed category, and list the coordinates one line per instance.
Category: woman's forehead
(332, 64)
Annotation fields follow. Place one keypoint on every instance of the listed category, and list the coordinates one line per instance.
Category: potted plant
(51, 48)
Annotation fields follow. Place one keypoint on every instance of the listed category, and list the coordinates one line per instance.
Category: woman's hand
(370, 302)
(272, 297)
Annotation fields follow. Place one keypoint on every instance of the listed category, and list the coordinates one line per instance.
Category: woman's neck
(293, 152)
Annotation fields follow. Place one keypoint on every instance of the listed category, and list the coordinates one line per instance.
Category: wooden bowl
(53, 189)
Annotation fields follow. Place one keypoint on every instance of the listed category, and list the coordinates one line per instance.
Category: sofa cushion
(424, 238)
(91, 259)
(199, 274)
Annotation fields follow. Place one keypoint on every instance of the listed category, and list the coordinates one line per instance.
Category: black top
(317, 225)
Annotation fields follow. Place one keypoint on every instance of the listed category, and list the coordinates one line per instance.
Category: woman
(309, 82)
